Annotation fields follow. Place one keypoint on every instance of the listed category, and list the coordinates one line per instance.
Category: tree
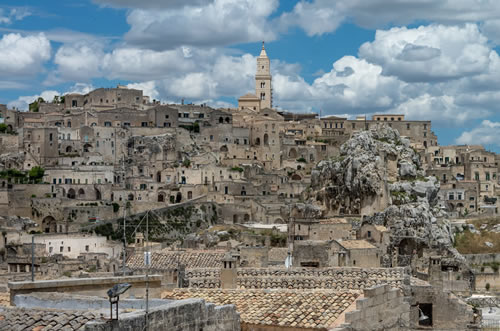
(36, 173)
(35, 105)
(3, 127)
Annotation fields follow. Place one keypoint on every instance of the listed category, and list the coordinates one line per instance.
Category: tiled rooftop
(337, 278)
(171, 259)
(43, 320)
(300, 309)
(356, 244)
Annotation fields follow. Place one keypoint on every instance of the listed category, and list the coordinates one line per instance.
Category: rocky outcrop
(378, 175)
(356, 182)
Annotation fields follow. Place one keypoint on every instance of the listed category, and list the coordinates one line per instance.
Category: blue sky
(435, 60)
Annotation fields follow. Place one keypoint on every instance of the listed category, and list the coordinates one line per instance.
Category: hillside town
(244, 218)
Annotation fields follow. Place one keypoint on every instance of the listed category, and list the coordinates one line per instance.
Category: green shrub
(301, 160)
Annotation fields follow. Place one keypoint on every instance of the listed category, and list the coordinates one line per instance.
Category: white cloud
(14, 14)
(218, 23)
(434, 52)
(80, 61)
(148, 88)
(151, 3)
(137, 64)
(23, 56)
(22, 103)
(323, 16)
(488, 133)
(316, 18)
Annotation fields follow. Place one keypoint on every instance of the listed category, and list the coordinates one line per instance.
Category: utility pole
(124, 226)
(147, 270)
(32, 258)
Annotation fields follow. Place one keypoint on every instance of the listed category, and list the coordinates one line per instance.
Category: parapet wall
(89, 286)
(189, 314)
(382, 308)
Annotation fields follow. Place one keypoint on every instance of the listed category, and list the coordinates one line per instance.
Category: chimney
(228, 274)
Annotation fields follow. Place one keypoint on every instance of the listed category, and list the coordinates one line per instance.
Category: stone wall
(89, 286)
(488, 278)
(479, 259)
(447, 311)
(189, 314)
(382, 308)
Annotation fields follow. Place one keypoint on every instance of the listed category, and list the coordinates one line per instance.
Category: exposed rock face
(378, 175)
(356, 183)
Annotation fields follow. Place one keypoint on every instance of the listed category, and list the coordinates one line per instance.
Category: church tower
(263, 78)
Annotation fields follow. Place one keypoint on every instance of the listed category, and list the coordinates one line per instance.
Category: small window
(369, 234)
(86, 248)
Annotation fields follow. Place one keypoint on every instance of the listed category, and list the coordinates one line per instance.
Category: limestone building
(263, 97)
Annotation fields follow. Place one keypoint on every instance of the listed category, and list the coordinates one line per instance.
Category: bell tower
(263, 89)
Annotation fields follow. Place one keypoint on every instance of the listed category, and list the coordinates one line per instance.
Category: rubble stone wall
(382, 308)
(190, 314)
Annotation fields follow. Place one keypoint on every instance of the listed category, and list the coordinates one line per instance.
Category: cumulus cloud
(434, 52)
(136, 64)
(217, 23)
(148, 88)
(323, 16)
(487, 133)
(80, 61)
(22, 103)
(23, 56)
(155, 4)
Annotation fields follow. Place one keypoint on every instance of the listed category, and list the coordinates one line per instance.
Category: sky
(426, 59)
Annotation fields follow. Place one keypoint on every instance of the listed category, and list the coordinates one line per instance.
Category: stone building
(263, 97)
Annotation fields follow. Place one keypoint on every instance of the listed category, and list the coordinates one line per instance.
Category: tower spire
(263, 51)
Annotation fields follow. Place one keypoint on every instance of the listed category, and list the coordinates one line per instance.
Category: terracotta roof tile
(46, 319)
(171, 259)
(312, 309)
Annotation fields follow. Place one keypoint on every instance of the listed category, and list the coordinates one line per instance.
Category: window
(61, 249)
(451, 196)
(262, 96)
(144, 124)
(408, 126)
(86, 248)
(51, 249)
(369, 234)
(107, 124)
(354, 125)
(487, 176)
(262, 84)
(476, 175)
(50, 137)
(69, 249)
